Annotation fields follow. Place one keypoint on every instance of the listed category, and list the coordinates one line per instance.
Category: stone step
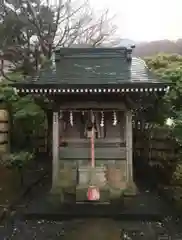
(43, 208)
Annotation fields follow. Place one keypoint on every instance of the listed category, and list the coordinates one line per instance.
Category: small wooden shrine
(93, 88)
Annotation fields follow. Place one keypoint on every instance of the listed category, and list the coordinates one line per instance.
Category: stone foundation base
(73, 184)
(79, 194)
(131, 189)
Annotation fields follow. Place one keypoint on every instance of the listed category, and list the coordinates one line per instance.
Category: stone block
(96, 176)
(116, 176)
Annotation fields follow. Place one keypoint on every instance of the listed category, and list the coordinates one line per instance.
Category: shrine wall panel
(110, 154)
(69, 153)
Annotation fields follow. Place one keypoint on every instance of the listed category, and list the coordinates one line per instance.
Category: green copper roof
(93, 67)
(96, 71)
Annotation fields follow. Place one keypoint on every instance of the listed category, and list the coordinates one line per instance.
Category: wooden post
(55, 149)
(4, 131)
(129, 146)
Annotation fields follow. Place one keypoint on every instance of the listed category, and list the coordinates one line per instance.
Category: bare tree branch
(36, 27)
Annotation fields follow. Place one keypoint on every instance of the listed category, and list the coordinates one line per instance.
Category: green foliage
(7, 94)
(177, 127)
(24, 108)
(177, 176)
(17, 160)
(27, 117)
(28, 120)
(169, 68)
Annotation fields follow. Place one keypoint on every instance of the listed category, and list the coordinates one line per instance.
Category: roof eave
(126, 84)
(90, 88)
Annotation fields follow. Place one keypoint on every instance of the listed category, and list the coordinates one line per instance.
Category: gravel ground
(101, 229)
(84, 229)
(88, 229)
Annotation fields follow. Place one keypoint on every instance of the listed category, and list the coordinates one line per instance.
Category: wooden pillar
(55, 149)
(129, 146)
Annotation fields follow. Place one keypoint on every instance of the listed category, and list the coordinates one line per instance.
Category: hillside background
(145, 49)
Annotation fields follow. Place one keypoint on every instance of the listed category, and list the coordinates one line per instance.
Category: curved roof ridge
(140, 71)
(141, 60)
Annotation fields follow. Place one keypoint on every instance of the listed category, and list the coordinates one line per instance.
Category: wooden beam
(129, 146)
(93, 105)
(55, 149)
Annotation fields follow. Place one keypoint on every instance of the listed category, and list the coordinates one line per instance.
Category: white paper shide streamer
(102, 119)
(71, 118)
(114, 119)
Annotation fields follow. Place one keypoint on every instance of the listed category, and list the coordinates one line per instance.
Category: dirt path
(102, 229)
(90, 229)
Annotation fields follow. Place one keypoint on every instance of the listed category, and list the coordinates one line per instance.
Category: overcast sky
(145, 20)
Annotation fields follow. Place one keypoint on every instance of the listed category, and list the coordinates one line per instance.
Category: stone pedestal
(88, 176)
(131, 189)
(116, 178)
